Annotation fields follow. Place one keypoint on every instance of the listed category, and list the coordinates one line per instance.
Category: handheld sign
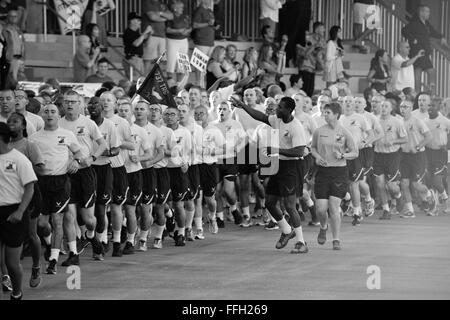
(183, 62)
(373, 17)
(199, 60)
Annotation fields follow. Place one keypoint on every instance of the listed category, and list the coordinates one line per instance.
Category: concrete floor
(413, 256)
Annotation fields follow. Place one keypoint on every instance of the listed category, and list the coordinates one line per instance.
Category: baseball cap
(134, 15)
(5, 131)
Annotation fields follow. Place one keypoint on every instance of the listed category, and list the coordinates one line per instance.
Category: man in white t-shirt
(56, 145)
(21, 103)
(403, 67)
(8, 104)
(16, 191)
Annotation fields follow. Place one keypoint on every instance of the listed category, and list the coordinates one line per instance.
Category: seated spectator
(379, 74)
(15, 47)
(296, 86)
(83, 62)
(133, 44)
(91, 15)
(178, 31)
(230, 60)
(102, 73)
(250, 65)
(215, 69)
(266, 63)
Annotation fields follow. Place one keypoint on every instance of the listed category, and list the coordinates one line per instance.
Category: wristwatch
(78, 161)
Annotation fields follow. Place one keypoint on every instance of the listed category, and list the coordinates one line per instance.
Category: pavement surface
(412, 255)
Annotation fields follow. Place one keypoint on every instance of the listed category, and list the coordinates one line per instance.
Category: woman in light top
(334, 69)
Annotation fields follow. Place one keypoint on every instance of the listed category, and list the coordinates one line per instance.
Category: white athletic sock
(385, 207)
(368, 198)
(444, 195)
(198, 221)
(105, 236)
(181, 231)
(246, 212)
(220, 215)
(73, 247)
(159, 232)
(143, 235)
(90, 234)
(99, 236)
(169, 213)
(116, 235)
(428, 193)
(212, 215)
(54, 254)
(299, 234)
(189, 218)
(410, 207)
(48, 240)
(285, 227)
(233, 207)
(310, 203)
(130, 237)
(357, 211)
(347, 197)
(398, 196)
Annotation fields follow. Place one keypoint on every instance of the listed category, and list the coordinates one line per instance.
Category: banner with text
(70, 12)
(183, 62)
(199, 60)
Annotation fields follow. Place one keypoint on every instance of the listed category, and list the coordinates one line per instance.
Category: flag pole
(161, 57)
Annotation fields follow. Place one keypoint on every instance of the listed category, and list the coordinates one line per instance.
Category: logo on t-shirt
(286, 134)
(339, 138)
(105, 136)
(80, 131)
(61, 140)
(10, 166)
(228, 128)
(389, 128)
(179, 139)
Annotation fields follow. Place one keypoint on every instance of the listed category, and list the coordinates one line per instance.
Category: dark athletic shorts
(134, 188)
(194, 182)
(120, 185)
(209, 177)
(228, 169)
(104, 183)
(83, 187)
(247, 160)
(148, 186)
(35, 206)
(355, 170)
(436, 161)
(162, 185)
(179, 184)
(12, 235)
(285, 182)
(331, 182)
(387, 164)
(307, 167)
(413, 166)
(55, 191)
(366, 157)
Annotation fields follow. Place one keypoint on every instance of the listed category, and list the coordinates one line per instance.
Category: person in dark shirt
(133, 44)
(101, 75)
(418, 32)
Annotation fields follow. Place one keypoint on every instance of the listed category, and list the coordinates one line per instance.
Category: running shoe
(386, 215)
(19, 297)
(272, 226)
(142, 246)
(322, 236)
(157, 244)
(6, 283)
(407, 215)
(213, 228)
(199, 235)
(237, 217)
(128, 249)
(345, 205)
(369, 208)
(336, 245)
(246, 223)
(96, 245)
(51, 268)
(72, 260)
(300, 247)
(220, 223)
(189, 235)
(98, 256)
(284, 239)
(357, 220)
(117, 250)
(180, 241)
(36, 277)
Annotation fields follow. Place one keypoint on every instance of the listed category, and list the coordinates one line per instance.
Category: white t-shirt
(155, 140)
(212, 140)
(109, 132)
(123, 131)
(16, 171)
(248, 123)
(234, 137)
(290, 134)
(197, 136)
(319, 119)
(86, 132)
(424, 116)
(308, 124)
(402, 77)
(181, 150)
(141, 143)
(358, 127)
(168, 141)
(55, 146)
(36, 120)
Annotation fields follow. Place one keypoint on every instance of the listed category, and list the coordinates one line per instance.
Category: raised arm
(255, 114)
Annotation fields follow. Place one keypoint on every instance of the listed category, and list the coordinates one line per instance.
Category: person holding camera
(402, 67)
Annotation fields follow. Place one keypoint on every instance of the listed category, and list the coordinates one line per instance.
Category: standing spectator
(83, 62)
(296, 86)
(101, 75)
(5, 5)
(204, 30)
(418, 33)
(402, 67)
(155, 14)
(15, 52)
(133, 44)
(269, 12)
(91, 15)
(178, 31)
(93, 32)
(379, 75)
(334, 70)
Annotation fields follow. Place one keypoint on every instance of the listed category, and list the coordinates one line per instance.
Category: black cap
(134, 15)
(5, 132)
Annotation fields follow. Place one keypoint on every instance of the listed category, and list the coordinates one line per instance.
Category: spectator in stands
(410, 93)
(250, 65)
(265, 62)
(92, 14)
(296, 86)
(125, 84)
(418, 33)
(203, 24)
(402, 67)
(215, 69)
(102, 73)
(54, 83)
(133, 44)
(93, 32)
(178, 31)
(230, 63)
(83, 62)
(379, 74)
(269, 12)
(360, 8)
(334, 69)
(4, 65)
(15, 46)
(155, 14)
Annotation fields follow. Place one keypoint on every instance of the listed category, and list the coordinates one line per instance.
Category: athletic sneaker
(314, 223)
(51, 268)
(142, 246)
(98, 256)
(300, 247)
(265, 216)
(83, 243)
(36, 277)
(6, 283)
(237, 217)
(336, 245)
(189, 236)
(370, 208)
(272, 226)
(96, 245)
(19, 297)
(180, 241)
(386, 215)
(199, 235)
(408, 214)
(356, 220)
(157, 244)
(246, 223)
(128, 249)
(220, 223)
(433, 201)
(72, 260)
(117, 250)
(322, 237)
(284, 239)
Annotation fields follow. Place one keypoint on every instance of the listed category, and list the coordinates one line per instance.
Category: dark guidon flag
(155, 90)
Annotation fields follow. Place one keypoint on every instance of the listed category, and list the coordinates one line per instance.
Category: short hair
(264, 29)
(231, 46)
(5, 132)
(102, 60)
(334, 107)
(108, 85)
(289, 102)
(71, 93)
(294, 79)
(273, 90)
(317, 24)
(195, 87)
